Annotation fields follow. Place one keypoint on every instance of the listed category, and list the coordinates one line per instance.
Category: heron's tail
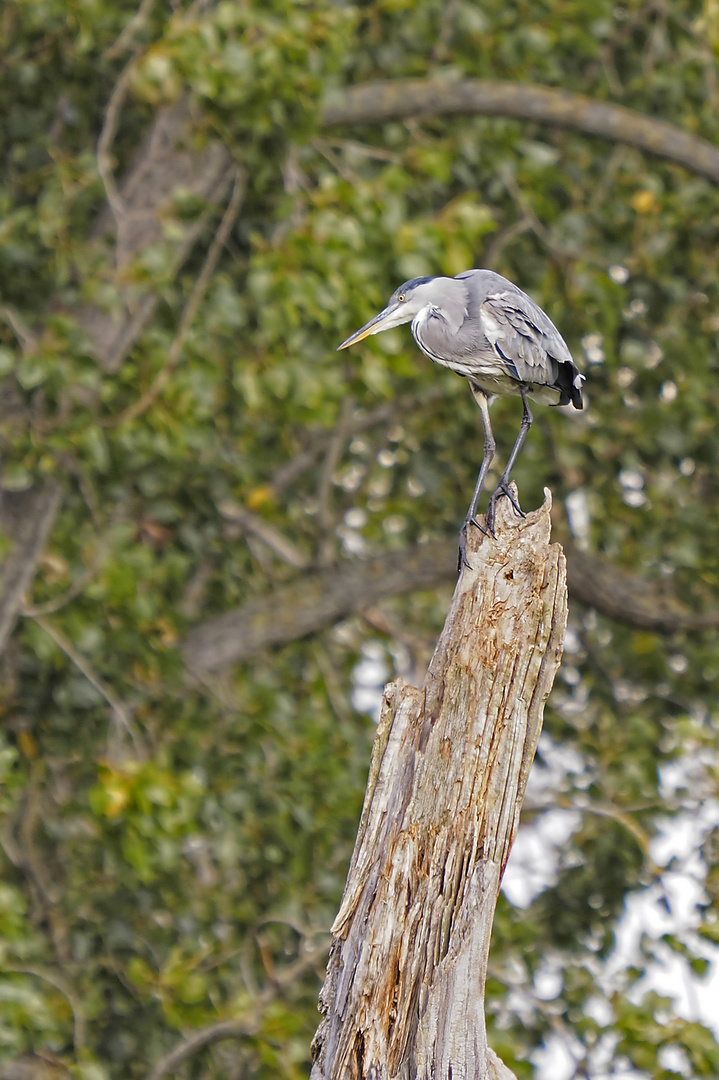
(569, 383)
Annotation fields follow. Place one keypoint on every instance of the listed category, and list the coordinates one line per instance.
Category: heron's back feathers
(503, 341)
(529, 344)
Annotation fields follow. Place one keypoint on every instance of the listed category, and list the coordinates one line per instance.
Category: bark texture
(404, 993)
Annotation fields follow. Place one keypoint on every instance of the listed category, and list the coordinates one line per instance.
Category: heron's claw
(505, 489)
(489, 516)
(462, 558)
(489, 531)
(473, 521)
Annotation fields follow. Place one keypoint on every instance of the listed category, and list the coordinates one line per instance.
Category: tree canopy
(215, 527)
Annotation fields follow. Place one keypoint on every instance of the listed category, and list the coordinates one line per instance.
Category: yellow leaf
(145, 674)
(645, 202)
(643, 644)
(258, 497)
(166, 631)
(27, 744)
(117, 797)
(54, 568)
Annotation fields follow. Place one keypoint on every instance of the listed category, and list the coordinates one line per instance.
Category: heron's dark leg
(482, 400)
(503, 485)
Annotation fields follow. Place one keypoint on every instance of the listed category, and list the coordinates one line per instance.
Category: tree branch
(126, 38)
(26, 518)
(120, 714)
(315, 601)
(166, 161)
(254, 525)
(199, 288)
(104, 143)
(629, 598)
(60, 983)
(401, 99)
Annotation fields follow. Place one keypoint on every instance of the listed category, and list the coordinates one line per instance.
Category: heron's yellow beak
(374, 326)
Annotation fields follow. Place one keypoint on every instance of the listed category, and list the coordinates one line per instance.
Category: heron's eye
(401, 298)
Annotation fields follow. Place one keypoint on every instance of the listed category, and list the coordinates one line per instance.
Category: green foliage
(170, 848)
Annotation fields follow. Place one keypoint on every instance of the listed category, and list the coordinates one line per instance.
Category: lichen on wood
(404, 993)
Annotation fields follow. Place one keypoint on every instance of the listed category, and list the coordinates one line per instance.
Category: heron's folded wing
(523, 336)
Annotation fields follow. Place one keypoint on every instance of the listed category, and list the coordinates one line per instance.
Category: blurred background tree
(220, 537)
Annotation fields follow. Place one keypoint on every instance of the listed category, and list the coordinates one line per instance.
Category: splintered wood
(404, 992)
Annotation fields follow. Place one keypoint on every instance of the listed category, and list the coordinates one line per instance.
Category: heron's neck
(449, 316)
(451, 311)
(420, 319)
(431, 331)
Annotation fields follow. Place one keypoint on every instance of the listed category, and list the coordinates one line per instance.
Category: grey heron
(485, 328)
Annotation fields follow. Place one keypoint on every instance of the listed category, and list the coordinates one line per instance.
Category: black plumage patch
(416, 281)
(509, 362)
(566, 386)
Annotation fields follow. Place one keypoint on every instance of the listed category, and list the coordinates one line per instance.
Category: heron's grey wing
(523, 336)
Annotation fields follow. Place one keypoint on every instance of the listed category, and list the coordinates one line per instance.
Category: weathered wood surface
(404, 993)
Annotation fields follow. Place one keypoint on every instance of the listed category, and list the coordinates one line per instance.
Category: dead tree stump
(404, 992)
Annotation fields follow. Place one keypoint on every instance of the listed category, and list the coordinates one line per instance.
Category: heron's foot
(489, 516)
(492, 510)
(504, 489)
(485, 532)
(462, 558)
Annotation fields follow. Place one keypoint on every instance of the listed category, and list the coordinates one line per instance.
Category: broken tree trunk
(404, 992)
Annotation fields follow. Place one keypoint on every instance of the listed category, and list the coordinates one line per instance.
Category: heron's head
(404, 304)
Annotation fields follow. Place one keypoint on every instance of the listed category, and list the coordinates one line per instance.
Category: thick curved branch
(205, 1036)
(629, 598)
(316, 601)
(168, 159)
(400, 99)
